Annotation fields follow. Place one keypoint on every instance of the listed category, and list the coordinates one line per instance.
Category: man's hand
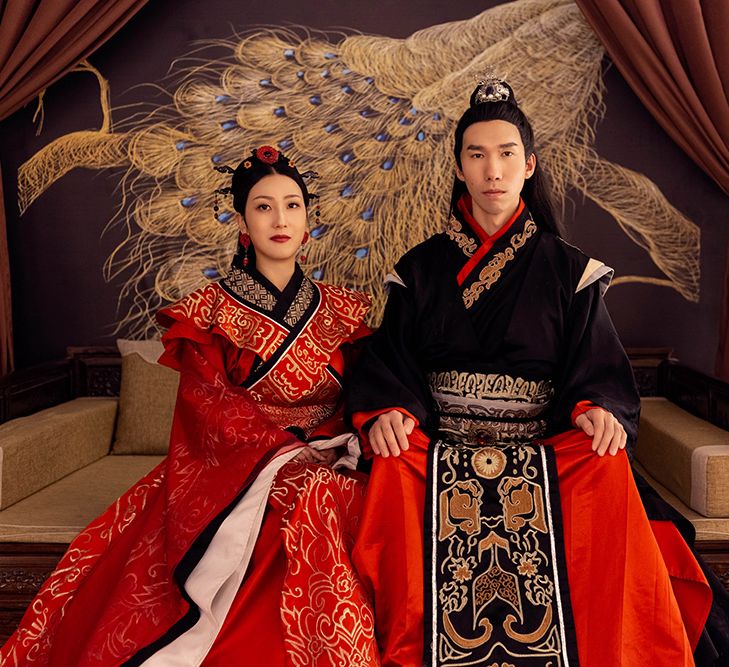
(608, 434)
(389, 434)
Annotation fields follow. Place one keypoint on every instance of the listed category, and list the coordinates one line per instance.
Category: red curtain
(674, 57)
(39, 42)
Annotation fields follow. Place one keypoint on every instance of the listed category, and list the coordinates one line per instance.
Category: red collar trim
(465, 206)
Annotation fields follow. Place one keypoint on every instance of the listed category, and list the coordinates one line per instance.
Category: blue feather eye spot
(347, 157)
(436, 116)
(217, 159)
(405, 121)
(388, 164)
(367, 112)
(279, 112)
(347, 89)
(188, 202)
(319, 231)
(228, 125)
(315, 100)
(330, 56)
(370, 80)
(285, 144)
(393, 100)
(300, 74)
(289, 54)
(367, 214)
(222, 99)
(346, 71)
(413, 111)
(361, 253)
(225, 216)
(347, 191)
(325, 74)
(265, 83)
(211, 273)
(317, 274)
(382, 136)
(420, 136)
(182, 145)
(331, 127)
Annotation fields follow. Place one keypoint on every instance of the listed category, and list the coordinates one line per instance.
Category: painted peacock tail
(375, 117)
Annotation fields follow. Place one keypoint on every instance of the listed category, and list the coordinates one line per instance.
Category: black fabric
(531, 323)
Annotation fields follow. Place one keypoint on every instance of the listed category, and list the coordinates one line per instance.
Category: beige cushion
(707, 529)
(147, 400)
(687, 455)
(36, 451)
(60, 511)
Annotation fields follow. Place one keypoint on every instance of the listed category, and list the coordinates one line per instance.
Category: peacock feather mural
(375, 117)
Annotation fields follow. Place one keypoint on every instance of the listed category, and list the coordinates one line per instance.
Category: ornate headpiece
(267, 155)
(492, 90)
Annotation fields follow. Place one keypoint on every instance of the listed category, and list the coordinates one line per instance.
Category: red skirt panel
(625, 608)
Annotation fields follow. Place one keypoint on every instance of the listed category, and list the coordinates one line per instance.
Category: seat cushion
(60, 511)
(37, 450)
(146, 401)
(686, 454)
(707, 528)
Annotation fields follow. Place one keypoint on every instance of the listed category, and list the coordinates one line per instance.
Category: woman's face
(493, 166)
(275, 217)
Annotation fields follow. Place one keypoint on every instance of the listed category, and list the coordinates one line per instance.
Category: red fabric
(689, 582)
(218, 443)
(625, 609)
(253, 626)
(302, 603)
(113, 591)
(465, 206)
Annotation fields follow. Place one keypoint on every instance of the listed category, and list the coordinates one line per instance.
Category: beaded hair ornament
(269, 156)
(263, 155)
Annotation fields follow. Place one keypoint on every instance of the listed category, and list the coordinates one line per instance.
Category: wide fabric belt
(479, 408)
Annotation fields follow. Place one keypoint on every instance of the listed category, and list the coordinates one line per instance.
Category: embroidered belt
(478, 408)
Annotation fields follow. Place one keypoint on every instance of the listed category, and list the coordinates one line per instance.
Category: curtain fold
(39, 42)
(674, 57)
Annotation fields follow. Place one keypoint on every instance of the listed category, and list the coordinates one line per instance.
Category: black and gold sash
(496, 589)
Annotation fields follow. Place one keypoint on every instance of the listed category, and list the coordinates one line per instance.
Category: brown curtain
(674, 57)
(40, 40)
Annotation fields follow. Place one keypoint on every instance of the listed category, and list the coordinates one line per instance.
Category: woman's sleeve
(595, 367)
(214, 418)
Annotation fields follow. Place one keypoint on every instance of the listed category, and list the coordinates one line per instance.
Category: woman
(497, 397)
(235, 549)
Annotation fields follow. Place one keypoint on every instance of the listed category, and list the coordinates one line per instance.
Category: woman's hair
(495, 101)
(263, 161)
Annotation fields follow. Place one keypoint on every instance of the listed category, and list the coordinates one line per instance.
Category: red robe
(120, 586)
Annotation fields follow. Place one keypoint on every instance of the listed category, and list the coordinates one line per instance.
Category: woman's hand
(608, 434)
(389, 434)
(311, 455)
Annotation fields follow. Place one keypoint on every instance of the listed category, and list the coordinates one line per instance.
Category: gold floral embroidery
(455, 233)
(492, 271)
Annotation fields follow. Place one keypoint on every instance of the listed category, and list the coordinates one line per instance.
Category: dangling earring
(304, 241)
(245, 241)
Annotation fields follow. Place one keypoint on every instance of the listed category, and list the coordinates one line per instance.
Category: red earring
(305, 239)
(245, 241)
